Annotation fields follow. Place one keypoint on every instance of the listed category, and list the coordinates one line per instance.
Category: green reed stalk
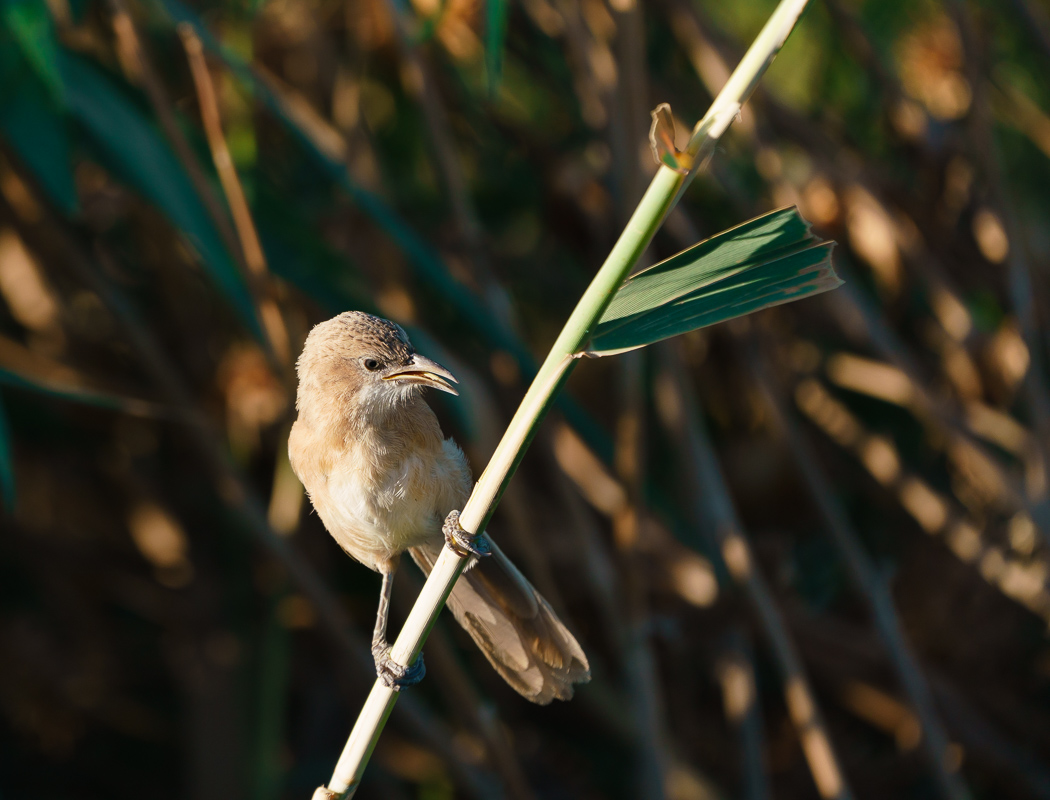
(666, 187)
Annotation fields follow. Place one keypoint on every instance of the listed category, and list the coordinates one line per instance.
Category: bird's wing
(514, 626)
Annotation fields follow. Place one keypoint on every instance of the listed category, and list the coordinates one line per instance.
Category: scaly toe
(397, 676)
(462, 543)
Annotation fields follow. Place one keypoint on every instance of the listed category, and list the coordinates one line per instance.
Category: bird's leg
(462, 543)
(389, 671)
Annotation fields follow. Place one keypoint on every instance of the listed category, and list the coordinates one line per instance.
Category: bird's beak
(425, 372)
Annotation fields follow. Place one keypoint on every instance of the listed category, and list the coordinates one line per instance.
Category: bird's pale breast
(383, 490)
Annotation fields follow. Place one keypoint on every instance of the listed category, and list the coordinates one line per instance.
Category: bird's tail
(514, 626)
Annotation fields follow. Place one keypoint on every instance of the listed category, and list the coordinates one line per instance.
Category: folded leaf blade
(767, 261)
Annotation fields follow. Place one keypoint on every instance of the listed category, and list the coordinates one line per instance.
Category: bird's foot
(461, 542)
(393, 675)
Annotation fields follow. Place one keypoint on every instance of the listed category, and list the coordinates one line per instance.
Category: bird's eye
(371, 364)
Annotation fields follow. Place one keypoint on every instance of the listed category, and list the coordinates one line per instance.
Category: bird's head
(359, 357)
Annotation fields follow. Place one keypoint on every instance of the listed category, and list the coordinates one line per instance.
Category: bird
(383, 478)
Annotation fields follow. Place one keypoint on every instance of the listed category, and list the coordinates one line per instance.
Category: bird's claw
(393, 675)
(461, 542)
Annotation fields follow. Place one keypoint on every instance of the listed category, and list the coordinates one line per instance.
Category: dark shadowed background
(848, 493)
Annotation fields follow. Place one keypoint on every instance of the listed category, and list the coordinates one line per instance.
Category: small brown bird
(382, 478)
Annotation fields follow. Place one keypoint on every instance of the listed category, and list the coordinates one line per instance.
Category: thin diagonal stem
(251, 247)
(659, 198)
(137, 61)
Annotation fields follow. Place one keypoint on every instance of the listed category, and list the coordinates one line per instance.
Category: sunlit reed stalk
(258, 275)
(139, 68)
(662, 194)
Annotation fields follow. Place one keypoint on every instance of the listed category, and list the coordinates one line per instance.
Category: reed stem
(663, 192)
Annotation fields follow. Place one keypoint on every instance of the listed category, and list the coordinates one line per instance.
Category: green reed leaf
(29, 23)
(32, 124)
(767, 261)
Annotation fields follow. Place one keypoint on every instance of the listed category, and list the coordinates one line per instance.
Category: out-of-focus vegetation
(848, 494)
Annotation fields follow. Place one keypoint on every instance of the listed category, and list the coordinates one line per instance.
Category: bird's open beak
(425, 372)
